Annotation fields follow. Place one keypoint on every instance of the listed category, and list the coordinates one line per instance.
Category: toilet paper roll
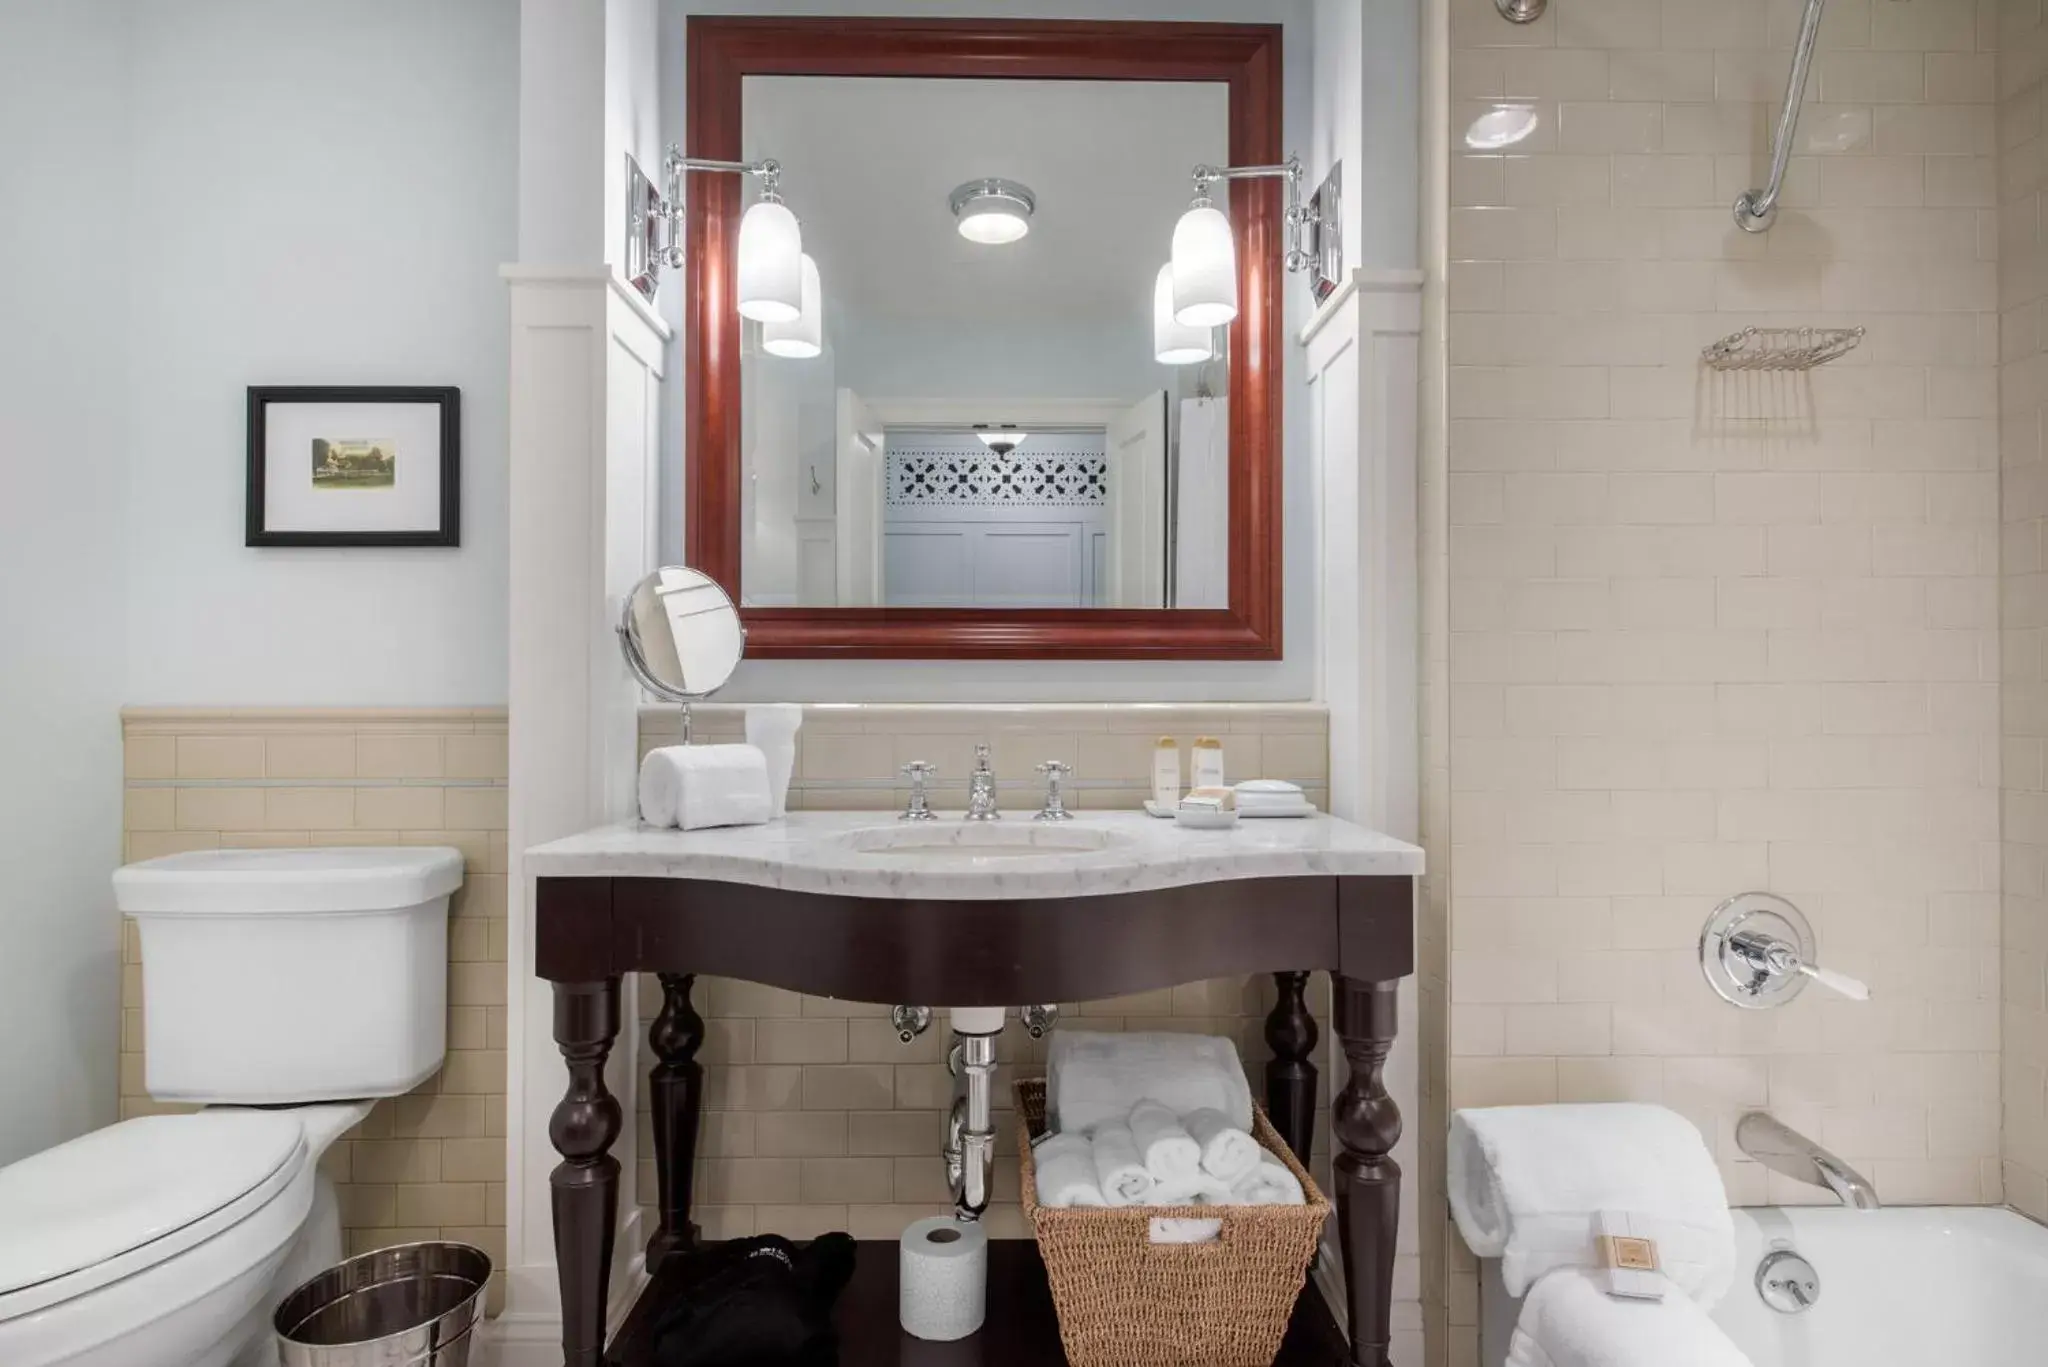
(943, 1278)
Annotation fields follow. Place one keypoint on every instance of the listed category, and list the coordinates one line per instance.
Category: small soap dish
(1198, 819)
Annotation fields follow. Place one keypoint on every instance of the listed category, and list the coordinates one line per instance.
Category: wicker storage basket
(1124, 1301)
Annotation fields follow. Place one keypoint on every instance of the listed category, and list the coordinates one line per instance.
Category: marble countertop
(844, 854)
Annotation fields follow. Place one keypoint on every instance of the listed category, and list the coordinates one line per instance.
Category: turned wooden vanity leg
(1291, 1076)
(676, 1090)
(1366, 1123)
(585, 1183)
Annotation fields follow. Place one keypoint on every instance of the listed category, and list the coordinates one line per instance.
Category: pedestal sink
(944, 839)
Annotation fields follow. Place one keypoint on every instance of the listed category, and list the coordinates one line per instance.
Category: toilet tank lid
(362, 878)
(103, 1194)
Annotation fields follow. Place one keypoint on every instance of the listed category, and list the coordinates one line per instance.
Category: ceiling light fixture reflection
(1001, 438)
(993, 211)
(1504, 125)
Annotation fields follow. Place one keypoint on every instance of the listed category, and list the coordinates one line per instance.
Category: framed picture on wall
(354, 466)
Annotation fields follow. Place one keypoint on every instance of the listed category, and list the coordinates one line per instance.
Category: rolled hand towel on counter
(1568, 1320)
(1063, 1167)
(1526, 1183)
(1228, 1152)
(1164, 1144)
(1269, 1183)
(697, 786)
(1092, 1077)
(1119, 1172)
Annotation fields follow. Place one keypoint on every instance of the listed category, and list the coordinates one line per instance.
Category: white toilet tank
(287, 976)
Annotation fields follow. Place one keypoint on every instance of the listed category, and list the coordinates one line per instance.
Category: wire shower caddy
(1780, 348)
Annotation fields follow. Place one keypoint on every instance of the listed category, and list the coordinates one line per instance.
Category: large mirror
(986, 435)
(986, 423)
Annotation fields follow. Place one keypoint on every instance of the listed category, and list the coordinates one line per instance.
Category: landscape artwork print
(354, 463)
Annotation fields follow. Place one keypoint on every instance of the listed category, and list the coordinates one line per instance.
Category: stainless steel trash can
(412, 1305)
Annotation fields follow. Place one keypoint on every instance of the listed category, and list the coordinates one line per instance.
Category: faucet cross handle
(919, 772)
(1055, 804)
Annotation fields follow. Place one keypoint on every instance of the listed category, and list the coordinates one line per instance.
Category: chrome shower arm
(1756, 210)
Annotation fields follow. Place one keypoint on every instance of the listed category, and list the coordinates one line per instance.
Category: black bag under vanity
(760, 1302)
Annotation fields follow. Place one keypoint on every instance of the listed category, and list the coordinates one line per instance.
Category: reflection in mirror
(681, 634)
(989, 422)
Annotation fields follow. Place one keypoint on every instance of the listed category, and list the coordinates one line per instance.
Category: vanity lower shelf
(1021, 1330)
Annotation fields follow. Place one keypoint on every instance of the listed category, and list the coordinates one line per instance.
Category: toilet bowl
(275, 980)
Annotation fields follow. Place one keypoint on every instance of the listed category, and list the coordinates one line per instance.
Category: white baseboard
(517, 1340)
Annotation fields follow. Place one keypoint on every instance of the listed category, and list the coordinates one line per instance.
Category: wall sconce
(1175, 342)
(1204, 265)
(772, 272)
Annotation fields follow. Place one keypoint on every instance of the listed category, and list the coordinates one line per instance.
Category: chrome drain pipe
(970, 1127)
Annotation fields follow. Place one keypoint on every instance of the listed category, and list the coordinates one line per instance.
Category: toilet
(284, 991)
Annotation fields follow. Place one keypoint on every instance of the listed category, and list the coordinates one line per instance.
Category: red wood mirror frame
(722, 53)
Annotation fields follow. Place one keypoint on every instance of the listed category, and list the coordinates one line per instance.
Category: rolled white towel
(1093, 1076)
(1179, 1229)
(1526, 1183)
(698, 786)
(1197, 1190)
(1063, 1169)
(1119, 1172)
(1269, 1183)
(1228, 1152)
(1170, 1153)
(1569, 1321)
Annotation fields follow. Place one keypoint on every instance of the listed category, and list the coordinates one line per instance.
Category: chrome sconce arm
(654, 218)
(665, 246)
(1313, 230)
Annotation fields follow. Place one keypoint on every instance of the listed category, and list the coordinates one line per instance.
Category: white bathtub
(1902, 1287)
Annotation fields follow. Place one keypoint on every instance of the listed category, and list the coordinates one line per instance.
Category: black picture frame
(449, 400)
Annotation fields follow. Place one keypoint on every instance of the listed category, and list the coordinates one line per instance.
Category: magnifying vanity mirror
(992, 437)
(681, 636)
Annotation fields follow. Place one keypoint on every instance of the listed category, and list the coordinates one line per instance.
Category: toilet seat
(128, 1197)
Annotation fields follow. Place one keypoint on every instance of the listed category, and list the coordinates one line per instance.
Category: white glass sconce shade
(771, 273)
(803, 337)
(1204, 268)
(1175, 342)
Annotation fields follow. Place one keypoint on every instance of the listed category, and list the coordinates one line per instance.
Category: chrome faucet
(1055, 802)
(919, 773)
(981, 789)
(1783, 1149)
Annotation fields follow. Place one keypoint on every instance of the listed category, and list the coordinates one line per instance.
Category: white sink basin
(957, 840)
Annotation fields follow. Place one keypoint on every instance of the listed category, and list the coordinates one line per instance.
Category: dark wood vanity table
(592, 930)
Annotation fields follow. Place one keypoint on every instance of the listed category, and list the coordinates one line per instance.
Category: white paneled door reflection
(1003, 564)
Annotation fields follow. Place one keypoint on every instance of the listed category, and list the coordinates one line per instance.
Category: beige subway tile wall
(2023, 394)
(816, 1117)
(1715, 633)
(430, 1164)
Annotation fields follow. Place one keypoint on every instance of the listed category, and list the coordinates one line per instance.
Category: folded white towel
(1178, 1229)
(1228, 1152)
(1119, 1172)
(1163, 1142)
(1526, 1182)
(1569, 1321)
(1093, 1076)
(1197, 1190)
(1269, 1183)
(1063, 1169)
(695, 786)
